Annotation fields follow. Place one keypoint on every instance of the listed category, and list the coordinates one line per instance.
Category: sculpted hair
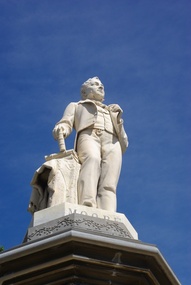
(84, 87)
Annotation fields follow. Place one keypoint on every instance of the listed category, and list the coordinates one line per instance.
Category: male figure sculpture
(100, 142)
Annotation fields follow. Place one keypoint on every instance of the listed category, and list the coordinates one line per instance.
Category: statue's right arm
(65, 125)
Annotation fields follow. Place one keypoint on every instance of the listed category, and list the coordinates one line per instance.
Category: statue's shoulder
(73, 104)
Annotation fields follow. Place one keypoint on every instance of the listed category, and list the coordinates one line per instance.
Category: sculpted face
(93, 89)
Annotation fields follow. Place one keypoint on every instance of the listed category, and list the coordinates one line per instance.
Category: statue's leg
(88, 149)
(110, 172)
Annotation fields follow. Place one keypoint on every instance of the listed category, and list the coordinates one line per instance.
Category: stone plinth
(79, 222)
(93, 215)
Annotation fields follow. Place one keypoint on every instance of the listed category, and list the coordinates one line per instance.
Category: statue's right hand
(58, 129)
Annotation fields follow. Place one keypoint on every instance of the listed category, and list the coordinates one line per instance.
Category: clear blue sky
(141, 50)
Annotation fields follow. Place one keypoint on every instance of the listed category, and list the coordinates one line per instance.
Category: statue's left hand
(115, 108)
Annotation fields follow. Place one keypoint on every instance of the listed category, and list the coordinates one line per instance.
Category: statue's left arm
(116, 116)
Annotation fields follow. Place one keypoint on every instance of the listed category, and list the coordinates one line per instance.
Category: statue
(100, 142)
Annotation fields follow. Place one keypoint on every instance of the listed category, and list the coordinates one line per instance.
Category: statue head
(93, 89)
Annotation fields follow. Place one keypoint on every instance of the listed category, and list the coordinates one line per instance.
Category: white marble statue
(100, 142)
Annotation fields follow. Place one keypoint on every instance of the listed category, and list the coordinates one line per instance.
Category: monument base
(84, 252)
(53, 219)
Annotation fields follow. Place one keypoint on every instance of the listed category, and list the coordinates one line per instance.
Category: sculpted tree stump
(55, 182)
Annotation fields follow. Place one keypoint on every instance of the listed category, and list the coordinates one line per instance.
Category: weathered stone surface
(59, 211)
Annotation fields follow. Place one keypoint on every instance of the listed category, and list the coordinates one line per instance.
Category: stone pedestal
(55, 182)
(78, 249)
(91, 219)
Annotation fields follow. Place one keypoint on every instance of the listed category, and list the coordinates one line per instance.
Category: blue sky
(141, 52)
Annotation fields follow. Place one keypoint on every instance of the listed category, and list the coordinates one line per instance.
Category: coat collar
(97, 103)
